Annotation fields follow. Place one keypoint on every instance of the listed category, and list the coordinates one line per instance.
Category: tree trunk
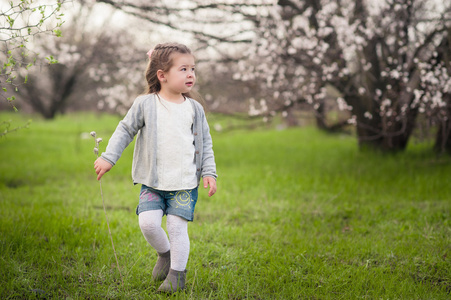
(49, 104)
(443, 137)
(320, 117)
(35, 98)
(379, 134)
(395, 139)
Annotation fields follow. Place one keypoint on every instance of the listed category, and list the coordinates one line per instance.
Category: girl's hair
(161, 59)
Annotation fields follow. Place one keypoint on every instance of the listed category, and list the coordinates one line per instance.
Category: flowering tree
(387, 60)
(20, 21)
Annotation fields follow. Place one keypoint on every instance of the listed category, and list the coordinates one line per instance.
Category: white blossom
(368, 115)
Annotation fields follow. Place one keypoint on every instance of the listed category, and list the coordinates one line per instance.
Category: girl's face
(180, 78)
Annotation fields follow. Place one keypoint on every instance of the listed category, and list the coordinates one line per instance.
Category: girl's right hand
(101, 166)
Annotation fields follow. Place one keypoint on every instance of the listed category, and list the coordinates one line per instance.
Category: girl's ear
(161, 76)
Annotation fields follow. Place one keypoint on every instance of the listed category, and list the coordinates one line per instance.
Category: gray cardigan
(141, 120)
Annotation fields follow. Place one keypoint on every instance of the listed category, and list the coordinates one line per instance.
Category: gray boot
(175, 281)
(161, 269)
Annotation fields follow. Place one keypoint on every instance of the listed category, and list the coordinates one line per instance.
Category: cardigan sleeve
(208, 159)
(125, 132)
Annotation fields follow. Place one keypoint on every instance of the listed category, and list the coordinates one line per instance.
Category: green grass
(298, 215)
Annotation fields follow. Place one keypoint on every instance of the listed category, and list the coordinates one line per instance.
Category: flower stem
(109, 231)
(96, 152)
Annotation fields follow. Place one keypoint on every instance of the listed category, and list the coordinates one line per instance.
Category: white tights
(178, 242)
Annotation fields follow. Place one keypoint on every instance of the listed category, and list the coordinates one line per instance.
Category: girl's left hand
(210, 181)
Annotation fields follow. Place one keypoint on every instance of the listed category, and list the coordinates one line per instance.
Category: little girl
(173, 150)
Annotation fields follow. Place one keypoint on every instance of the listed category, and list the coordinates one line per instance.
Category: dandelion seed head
(96, 151)
(98, 140)
(93, 133)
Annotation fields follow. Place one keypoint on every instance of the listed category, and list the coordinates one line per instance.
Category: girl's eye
(183, 69)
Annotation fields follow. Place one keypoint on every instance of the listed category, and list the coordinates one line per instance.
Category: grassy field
(298, 215)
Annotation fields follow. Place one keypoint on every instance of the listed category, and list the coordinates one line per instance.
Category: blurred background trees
(97, 67)
(382, 66)
(381, 57)
(20, 22)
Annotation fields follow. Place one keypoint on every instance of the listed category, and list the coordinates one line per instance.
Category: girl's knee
(150, 220)
(148, 226)
(177, 225)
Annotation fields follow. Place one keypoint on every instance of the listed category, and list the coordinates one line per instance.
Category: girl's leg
(179, 240)
(150, 224)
